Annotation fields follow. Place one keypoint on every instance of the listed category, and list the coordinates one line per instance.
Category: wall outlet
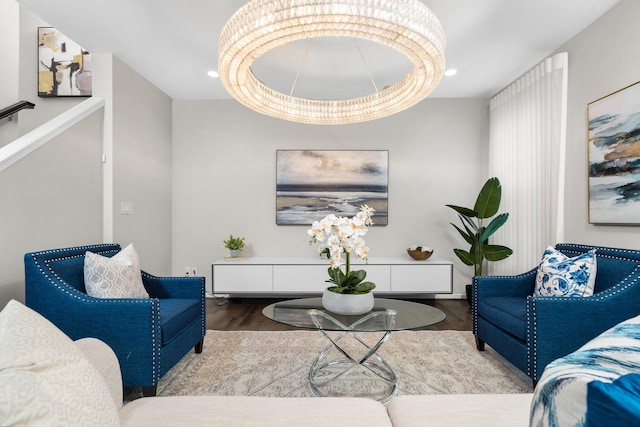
(187, 271)
(194, 271)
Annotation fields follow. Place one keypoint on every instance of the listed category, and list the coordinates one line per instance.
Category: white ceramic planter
(346, 303)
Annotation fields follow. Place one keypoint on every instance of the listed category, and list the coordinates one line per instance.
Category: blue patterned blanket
(597, 385)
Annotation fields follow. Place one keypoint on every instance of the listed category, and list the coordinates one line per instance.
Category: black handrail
(12, 109)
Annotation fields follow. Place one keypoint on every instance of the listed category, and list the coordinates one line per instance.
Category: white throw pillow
(561, 276)
(115, 277)
(45, 379)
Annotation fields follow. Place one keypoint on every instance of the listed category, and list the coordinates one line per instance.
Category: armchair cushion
(44, 378)
(561, 276)
(506, 311)
(115, 277)
(175, 314)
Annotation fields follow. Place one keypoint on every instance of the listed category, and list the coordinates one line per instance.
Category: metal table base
(326, 376)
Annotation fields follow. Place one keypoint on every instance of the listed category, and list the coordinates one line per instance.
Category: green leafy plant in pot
(349, 281)
(476, 231)
(234, 244)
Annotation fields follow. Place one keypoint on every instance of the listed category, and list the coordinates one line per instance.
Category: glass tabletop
(401, 315)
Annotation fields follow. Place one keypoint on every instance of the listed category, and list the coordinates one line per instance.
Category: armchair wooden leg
(149, 391)
(479, 344)
(198, 347)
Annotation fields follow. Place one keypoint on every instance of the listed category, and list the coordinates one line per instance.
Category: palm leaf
(466, 257)
(463, 211)
(472, 224)
(496, 252)
(468, 236)
(488, 201)
(493, 226)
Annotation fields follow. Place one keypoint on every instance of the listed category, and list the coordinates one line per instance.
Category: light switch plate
(126, 208)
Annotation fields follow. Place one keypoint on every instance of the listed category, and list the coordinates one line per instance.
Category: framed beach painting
(311, 184)
(614, 157)
(64, 68)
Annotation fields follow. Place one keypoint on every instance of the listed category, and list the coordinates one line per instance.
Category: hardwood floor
(246, 314)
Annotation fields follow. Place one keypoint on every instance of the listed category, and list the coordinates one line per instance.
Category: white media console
(264, 276)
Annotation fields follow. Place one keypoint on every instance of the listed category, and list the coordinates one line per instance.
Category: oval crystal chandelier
(407, 26)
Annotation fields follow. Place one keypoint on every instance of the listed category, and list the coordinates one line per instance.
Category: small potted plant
(234, 244)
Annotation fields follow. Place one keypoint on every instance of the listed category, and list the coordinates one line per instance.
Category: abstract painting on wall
(614, 158)
(64, 68)
(311, 184)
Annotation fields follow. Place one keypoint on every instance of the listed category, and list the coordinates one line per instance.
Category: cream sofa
(47, 379)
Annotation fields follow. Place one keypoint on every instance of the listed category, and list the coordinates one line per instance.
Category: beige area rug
(250, 363)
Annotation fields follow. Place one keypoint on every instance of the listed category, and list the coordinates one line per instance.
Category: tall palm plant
(476, 233)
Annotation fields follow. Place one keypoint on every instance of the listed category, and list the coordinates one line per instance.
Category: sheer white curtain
(527, 152)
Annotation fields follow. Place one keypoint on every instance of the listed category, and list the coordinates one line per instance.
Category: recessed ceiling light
(451, 72)
(213, 73)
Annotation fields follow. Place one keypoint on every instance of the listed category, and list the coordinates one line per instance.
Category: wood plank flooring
(246, 314)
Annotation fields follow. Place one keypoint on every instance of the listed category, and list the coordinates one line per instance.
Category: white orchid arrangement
(339, 237)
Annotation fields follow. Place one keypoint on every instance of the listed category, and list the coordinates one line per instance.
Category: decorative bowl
(419, 255)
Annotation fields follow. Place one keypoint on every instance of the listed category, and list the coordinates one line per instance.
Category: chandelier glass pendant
(407, 26)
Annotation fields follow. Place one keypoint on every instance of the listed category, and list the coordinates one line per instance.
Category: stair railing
(9, 111)
(16, 150)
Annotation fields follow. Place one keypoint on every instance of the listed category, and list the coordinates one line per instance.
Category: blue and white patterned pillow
(561, 276)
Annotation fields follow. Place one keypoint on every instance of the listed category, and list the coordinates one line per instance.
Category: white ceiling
(174, 43)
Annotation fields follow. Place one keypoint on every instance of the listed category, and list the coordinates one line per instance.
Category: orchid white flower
(342, 235)
(338, 238)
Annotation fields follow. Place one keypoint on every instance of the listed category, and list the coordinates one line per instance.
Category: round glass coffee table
(357, 370)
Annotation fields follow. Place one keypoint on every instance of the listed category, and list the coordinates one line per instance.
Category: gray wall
(602, 60)
(54, 197)
(142, 167)
(50, 199)
(9, 33)
(224, 177)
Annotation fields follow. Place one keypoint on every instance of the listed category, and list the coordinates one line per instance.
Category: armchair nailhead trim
(203, 308)
(532, 359)
(474, 306)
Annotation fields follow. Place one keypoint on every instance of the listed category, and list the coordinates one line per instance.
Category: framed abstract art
(64, 68)
(311, 184)
(614, 157)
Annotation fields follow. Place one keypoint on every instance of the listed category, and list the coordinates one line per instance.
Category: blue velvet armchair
(149, 336)
(532, 331)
